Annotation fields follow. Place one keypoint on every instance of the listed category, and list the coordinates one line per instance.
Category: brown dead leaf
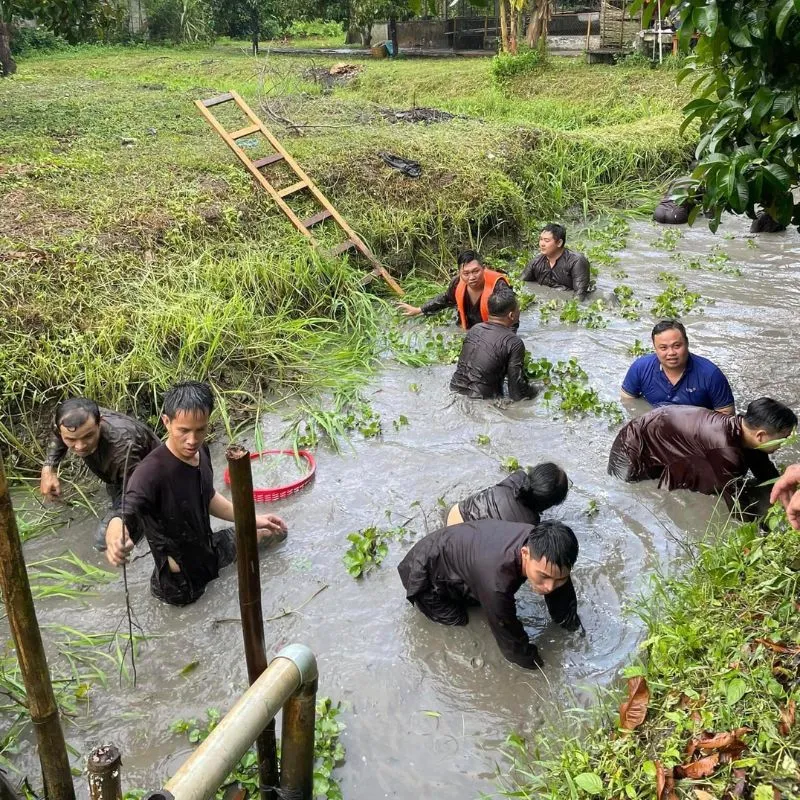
(728, 743)
(738, 788)
(787, 718)
(633, 711)
(778, 647)
(665, 783)
(701, 768)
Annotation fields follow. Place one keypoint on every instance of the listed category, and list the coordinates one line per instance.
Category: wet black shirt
(480, 562)
(167, 502)
(117, 433)
(447, 299)
(502, 501)
(490, 353)
(571, 271)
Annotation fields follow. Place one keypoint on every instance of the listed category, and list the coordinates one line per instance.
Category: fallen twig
(284, 612)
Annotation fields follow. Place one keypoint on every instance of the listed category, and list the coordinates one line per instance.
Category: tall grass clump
(505, 66)
(720, 655)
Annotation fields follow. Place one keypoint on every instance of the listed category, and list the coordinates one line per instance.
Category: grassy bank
(135, 251)
(721, 655)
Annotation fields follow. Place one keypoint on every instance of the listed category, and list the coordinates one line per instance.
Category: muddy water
(386, 662)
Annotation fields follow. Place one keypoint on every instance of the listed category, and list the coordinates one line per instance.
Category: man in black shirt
(169, 500)
(485, 563)
(557, 266)
(110, 444)
(468, 292)
(491, 351)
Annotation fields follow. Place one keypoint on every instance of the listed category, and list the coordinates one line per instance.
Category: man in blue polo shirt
(674, 376)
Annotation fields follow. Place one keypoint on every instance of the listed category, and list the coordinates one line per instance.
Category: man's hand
(49, 485)
(409, 310)
(269, 525)
(786, 490)
(118, 543)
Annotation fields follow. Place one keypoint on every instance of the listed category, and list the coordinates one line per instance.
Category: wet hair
(559, 232)
(72, 413)
(771, 416)
(669, 325)
(191, 397)
(502, 303)
(466, 256)
(546, 485)
(555, 543)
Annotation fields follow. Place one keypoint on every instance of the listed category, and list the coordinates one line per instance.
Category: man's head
(504, 308)
(671, 344)
(547, 485)
(470, 269)
(766, 422)
(78, 424)
(187, 407)
(552, 240)
(549, 555)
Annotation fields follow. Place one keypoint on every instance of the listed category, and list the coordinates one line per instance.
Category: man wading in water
(169, 499)
(685, 447)
(556, 265)
(105, 440)
(485, 563)
(492, 352)
(469, 292)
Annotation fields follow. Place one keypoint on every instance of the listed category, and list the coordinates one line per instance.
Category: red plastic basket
(279, 492)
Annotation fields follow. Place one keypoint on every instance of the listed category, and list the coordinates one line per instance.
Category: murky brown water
(386, 662)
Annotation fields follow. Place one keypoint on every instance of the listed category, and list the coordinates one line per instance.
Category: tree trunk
(540, 20)
(30, 654)
(366, 35)
(7, 64)
(393, 36)
(503, 27)
(512, 34)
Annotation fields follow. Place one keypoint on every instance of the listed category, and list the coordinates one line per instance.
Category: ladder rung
(242, 132)
(267, 160)
(320, 216)
(342, 248)
(215, 101)
(295, 187)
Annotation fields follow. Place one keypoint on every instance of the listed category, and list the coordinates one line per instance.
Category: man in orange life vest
(469, 292)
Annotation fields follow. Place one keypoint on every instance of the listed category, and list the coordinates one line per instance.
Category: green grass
(134, 251)
(708, 669)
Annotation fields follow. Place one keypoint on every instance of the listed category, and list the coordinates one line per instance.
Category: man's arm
(580, 276)
(49, 485)
(760, 464)
(447, 299)
(518, 386)
(529, 273)
(509, 633)
(222, 508)
(632, 385)
(563, 606)
(123, 533)
(721, 394)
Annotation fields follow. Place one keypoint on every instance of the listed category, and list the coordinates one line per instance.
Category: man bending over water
(685, 447)
(110, 444)
(169, 500)
(485, 563)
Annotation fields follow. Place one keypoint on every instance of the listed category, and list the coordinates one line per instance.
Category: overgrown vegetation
(369, 546)
(711, 710)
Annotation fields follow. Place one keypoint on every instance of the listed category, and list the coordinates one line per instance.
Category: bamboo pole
(103, 766)
(244, 513)
(30, 654)
(297, 743)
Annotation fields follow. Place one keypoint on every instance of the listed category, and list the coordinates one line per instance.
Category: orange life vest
(490, 278)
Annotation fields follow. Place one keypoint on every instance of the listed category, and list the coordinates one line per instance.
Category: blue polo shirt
(702, 384)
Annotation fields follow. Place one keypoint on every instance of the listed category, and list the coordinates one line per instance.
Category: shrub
(304, 29)
(180, 21)
(26, 39)
(505, 66)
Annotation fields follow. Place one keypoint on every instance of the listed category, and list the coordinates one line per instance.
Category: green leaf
(189, 668)
(781, 174)
(590, 782)
(763, 792)
(786, 8)
(762, 103)
(736, 690)
(740, 36)
(709, 18)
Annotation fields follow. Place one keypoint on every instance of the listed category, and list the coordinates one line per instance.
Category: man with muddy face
(468, 292)
(485, 563)
(556, 265)
(692, 448)
(673, 376)
(110, 445)
(170, 500)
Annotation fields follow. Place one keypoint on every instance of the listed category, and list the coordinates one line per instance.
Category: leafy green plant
(483, 440)
(592, 509)
(368, 548)
(675, 300)
(668, 240)
(588, 315)
(509, 464)
(506, 66)
(400, 422)
(305, 29)
(638, 349)
(628, 304)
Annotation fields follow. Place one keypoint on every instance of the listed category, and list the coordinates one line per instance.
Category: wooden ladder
(304, 183)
